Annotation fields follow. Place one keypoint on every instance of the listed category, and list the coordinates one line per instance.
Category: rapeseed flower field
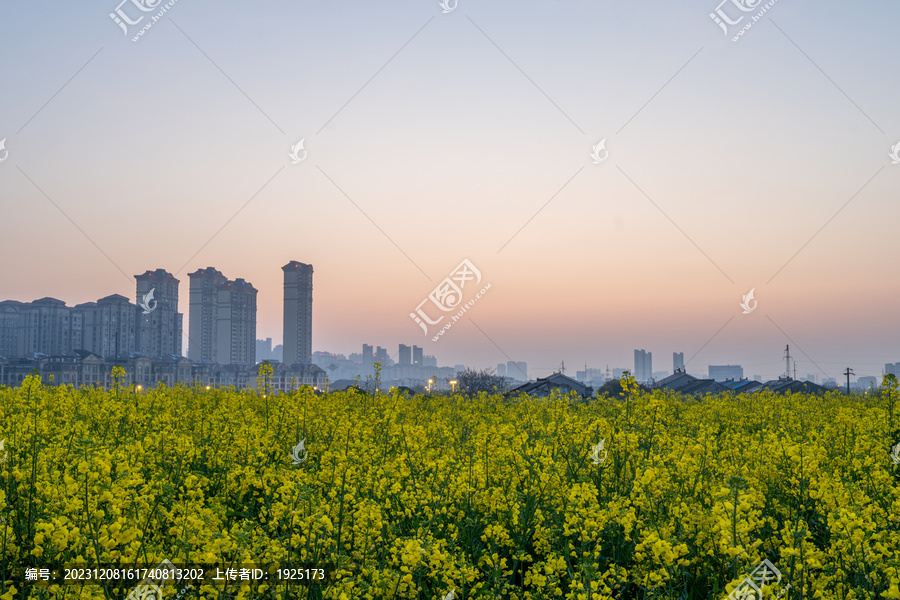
(647, 495)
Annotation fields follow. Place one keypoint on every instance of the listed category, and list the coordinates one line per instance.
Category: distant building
(158, 328)
(517, 370)
(829, 382)
(9, 328)
(889, 369)
(264, 349)
(866, 383)
(236, 323)
(657, 375)
(757, 378)
(202, 313)
(677, 361)
(298, 298)
(45, 326)
(429, 361)
(591, 377)
(368, 357)
(82, 368)
(643, 365)
(459, 368)
(558, 382)
(417, 356)
(48, 326)
(619, 373)
(278, 353)
(501, 369)
(589, 374)
(108, 326)
(684, 383)
(404, 356)
(811, 377)
(724, 372)
(381, 356)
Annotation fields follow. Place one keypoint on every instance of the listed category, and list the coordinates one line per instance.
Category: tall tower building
(404, 358)
(368, 357)
(678, 361)
(298, 296)
(643, 365)
(158, 324)
(382, 356)
(417, 356)
(203, 330)
(236, 323)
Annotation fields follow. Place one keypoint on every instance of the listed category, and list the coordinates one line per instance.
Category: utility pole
(848, 373)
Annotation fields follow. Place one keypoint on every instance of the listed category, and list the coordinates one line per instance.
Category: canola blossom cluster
(646, 495)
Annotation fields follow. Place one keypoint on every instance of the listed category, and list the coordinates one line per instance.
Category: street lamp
(453, 383)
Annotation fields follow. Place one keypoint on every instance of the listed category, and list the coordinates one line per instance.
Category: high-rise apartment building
(678, 361)
(643, 365)
(298, 296)
(236, 323)
(368, 357)
(404, 358)
(9, 328)
(382, 356)
(45, 325)
(158, 326)
(417, 356)
(202, 326)
(501, 369)
(108, 326)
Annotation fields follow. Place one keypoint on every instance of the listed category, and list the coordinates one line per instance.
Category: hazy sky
(436, 137)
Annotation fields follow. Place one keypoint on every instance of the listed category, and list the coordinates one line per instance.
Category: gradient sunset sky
(436, 137)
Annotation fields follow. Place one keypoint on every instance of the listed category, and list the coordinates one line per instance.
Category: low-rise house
(545, 386)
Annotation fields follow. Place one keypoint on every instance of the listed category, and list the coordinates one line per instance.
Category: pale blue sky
(714, 180)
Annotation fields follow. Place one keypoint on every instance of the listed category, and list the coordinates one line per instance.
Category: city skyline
(210, 292)
(762, 164)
